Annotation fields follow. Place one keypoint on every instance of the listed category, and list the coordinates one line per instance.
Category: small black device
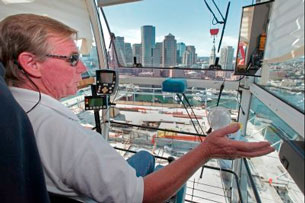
(96, 102)
(106, 81)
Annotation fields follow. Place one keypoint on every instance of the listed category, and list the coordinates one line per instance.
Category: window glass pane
(151, 35)
(262, 116)
(267, 171)
(286, 81)
(139, 104)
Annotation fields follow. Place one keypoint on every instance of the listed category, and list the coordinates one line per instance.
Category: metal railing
(236, 178)
(205, 166)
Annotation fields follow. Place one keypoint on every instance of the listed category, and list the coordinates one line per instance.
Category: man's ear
(29, 64)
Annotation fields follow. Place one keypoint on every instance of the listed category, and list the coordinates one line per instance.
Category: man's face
(58, 76)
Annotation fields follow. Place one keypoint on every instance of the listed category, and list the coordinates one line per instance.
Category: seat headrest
(2, 70)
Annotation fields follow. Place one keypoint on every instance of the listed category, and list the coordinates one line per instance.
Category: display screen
(106, 77)
(95, 102)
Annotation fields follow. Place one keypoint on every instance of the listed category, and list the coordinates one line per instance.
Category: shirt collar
(31, 96)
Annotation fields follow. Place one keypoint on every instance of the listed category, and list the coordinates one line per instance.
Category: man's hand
(166, 181)
(218, 145)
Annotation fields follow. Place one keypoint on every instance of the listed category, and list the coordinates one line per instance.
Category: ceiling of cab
(71, 12)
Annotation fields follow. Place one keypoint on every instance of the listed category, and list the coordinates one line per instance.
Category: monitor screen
(95, 102)
(252, 38)
(106, 77)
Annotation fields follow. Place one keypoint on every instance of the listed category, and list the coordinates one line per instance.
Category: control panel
(106, 81)
(96, 102)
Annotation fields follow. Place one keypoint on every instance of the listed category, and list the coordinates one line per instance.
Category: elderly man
(42, 64)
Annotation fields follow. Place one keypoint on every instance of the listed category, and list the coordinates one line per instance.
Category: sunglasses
(72, 59)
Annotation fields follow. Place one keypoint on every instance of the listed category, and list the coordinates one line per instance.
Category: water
(295, 99)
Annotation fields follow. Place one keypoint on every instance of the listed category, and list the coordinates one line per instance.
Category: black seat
(21, 175)
(55, 198)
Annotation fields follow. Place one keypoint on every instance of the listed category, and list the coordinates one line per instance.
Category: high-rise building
(180, 51)
(212, 56)
(137, 52)
(192, 55)
(187, 58)
(157, 55)
(128, 54)
(148, 38)
(226, 58)
(169, 51)
(120, 49)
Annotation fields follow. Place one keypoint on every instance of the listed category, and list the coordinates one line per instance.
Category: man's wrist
(206, 151)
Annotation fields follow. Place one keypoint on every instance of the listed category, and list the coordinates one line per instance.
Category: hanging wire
(218, 10)
(211, 11)
(187, 101)
(185, 107)
(220, 92)
(31, 81)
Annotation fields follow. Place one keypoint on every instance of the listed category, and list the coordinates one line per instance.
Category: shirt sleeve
(83, 161)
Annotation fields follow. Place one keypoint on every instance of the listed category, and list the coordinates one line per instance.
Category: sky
(189, 21)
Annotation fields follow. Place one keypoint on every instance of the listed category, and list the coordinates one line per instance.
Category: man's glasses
(72, 59)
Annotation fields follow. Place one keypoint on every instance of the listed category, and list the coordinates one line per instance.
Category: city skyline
(167, 53)
(192, 29)
(160, 40)
(150, 52)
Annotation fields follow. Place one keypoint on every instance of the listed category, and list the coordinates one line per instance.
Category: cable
(218, 9)
(27, 76)
(112, 39)
(189, 116)
(220, 92)
(211, 11)
(187, 101)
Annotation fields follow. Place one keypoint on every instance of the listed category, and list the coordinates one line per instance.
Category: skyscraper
(180, 49)
(128, 54)
(187, 58)
(157, 55)
(192, 52)
(212, 56)
(148, 38)
(169, 51)
(120, 49)
(226, 57)
(137, 52)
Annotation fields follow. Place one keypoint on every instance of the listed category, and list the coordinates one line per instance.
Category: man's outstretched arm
(162, 184)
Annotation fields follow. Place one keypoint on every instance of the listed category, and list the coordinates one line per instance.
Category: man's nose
(81, 68)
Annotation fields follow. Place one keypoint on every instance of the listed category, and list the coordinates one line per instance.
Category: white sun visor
(70, 12)
(102, 3)
(285, 38)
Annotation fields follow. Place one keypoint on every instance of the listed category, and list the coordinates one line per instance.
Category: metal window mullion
(101, 50)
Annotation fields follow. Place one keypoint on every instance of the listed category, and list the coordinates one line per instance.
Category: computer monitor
(252, 38)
